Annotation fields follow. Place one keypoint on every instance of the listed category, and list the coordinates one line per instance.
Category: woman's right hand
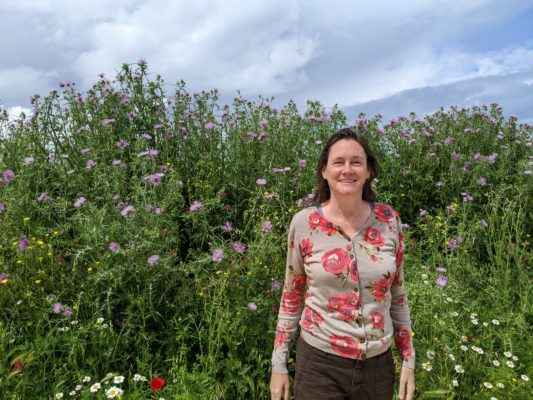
(279, 386)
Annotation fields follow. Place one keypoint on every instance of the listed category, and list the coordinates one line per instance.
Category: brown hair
(356, 133)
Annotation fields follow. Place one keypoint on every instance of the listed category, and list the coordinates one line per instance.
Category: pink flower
(153, 260)
(127, 210)
(209, 125)
(79, 202)
(114, 247)
(238, 247)
(218, 255)
(263, 122)
(261, 182)
(195, 206)
(267, 226)
(109, 121)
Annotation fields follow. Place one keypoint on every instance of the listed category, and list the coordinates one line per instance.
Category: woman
(348, 249)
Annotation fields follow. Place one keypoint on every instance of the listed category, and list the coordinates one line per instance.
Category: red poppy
(18, 365)
(378, 320)
(157, 384)
(291, 302)
(316, 220)
(298, 283)
(346, 346)
(311, 317)
(307, 248)
(403, 342)
(345, 304)
(385, 213)
(380, 289)
(336, 261)
(374, 237)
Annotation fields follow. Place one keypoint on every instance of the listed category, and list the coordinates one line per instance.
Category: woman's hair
(356, 133)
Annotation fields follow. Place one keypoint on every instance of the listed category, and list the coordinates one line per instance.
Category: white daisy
(525, 378)
(515, 358)
(118, 379)
(99, 320)
(485, 324)
(495, 322)
(474, 321)
(137, 377)
(459, 369)
(427, 366)
(113, 392)
(95, 388)
(455, 383)
(510, 364)
(86, 379)
(59, 395)
(500, 385)
(454, 314)
(496, 363)
(78, 388)
(430, 354)
(508, 354)
(488, 385)
(452, 357)
(464, 348)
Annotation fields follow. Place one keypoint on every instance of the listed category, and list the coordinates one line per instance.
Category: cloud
(17, 84)
(512, 91)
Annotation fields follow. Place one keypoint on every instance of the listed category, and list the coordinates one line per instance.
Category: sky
(371, 56)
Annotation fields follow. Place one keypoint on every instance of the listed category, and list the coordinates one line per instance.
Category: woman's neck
(346, 209)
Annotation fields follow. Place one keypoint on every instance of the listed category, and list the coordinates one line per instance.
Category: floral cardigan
(355, 299)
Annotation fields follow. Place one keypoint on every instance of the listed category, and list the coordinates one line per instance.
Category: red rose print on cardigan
(401, 251)
(403, 342)
(346, 346)
(378, 320)
(281, 337)
(307, 248)
(395, 279)
(352, 273)
(345, 304)
(374, 237)
(336, 261)
(311, 317)
(316, 220)
(291, 302)
(380, 289)
(385, 213)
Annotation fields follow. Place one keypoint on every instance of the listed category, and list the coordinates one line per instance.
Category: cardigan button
(351, 255)
(362, 340)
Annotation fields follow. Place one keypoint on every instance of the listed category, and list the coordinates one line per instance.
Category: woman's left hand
(407, 383)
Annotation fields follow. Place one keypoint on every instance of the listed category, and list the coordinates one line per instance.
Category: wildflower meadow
(143, 240)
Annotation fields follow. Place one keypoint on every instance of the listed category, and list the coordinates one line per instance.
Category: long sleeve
(399, 310)
(292, 300)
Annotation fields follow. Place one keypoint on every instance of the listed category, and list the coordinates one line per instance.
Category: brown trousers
(324, 376)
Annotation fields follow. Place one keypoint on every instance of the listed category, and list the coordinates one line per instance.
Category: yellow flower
(38, 281)
(169, 164)
(4, 281)
(89, 269)
(19, 261)
(56, 233)
(49, 254)
(40, 242)
(26, 219)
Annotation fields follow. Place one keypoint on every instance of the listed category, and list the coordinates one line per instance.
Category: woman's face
(346, 170)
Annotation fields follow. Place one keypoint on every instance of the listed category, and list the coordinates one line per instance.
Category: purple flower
(492, 158)
(448, 140)
(441, 269)
(263, 122)
(79, 202)
(154, 179)
(481, 181)
(423, 213)
(209, 125)
(121, 143)
(442, 281)
(238, 247)
(158, 126)
(439, 184)
(43, 197)
(147, 137)
(251, 306)
(276, 285)
(466, 197)
(57, 308)
(478, 156)
(267, 226)
(90, 164)
(195, 206)
(3, 276)
(2, 207)
(85, 150)
(218, 255)
(114, 247)
(261, 182)
(7, 177)
(153, 260)
(251, 134)
(117, 163)
(456, 156)
(484, 223)
(227, 227)
(158, 211)
(23, 244)
(431, 155)
(453, 244)
(29, 160)
(109, 121)
(302, 163)
(127, 210)
(527, 172)
(67, 313)
(459, 239)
